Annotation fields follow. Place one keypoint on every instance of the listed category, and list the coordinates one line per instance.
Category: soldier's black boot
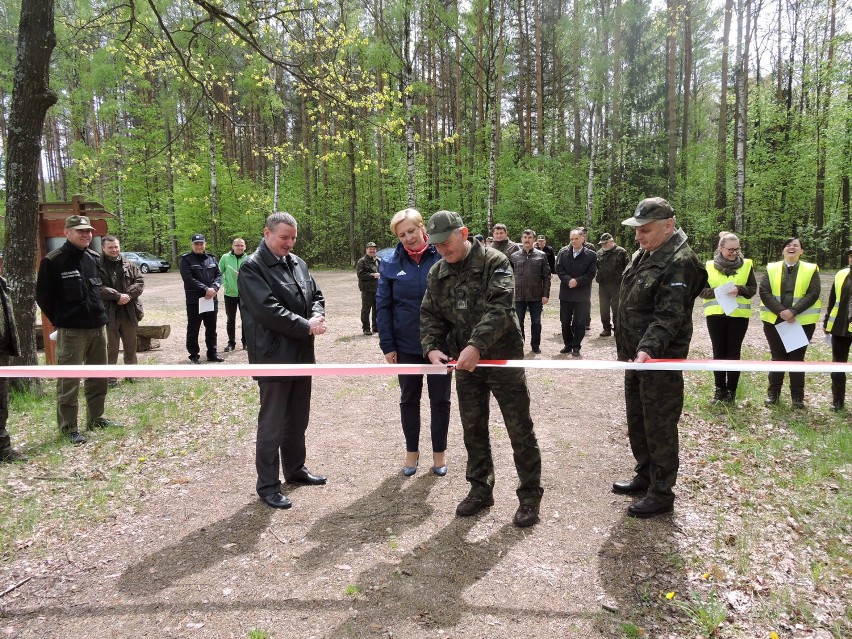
(797, 399)
(732, 395)
(720, 395)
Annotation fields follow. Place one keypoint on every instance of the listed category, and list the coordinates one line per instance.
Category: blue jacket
(402, 284)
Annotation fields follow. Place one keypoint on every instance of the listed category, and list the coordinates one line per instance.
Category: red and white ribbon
(338, 370)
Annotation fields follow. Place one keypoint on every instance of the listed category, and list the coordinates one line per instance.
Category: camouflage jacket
(611, 265)
(9, 343)
(364, 269)
(657, 297)
(472, 303)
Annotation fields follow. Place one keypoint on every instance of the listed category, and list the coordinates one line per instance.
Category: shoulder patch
(502, 271)
(53, 254)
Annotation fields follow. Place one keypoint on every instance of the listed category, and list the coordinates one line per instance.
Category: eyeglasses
(731, 250)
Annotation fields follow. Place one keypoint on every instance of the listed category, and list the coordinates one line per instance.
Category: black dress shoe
(575, 352)
(277, 500)
(215, 358)
(536, 349)
(307, 478)
(565, 350)
(632, 487)
(649, 507)
(194, 359)
(230, 347)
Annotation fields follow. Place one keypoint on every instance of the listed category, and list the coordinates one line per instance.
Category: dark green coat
(472, 303)
(657, 297)
(364, 269)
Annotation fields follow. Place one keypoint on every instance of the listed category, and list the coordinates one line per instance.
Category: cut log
(154, 331)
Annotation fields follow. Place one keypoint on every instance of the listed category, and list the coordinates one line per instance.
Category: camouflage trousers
(654, 402)
(509, 387)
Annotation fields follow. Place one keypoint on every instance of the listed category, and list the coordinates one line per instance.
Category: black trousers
(5, 440)
(779, 354)
(368, 309)
(285, 407)
(839, 353)
(231, 306)
(727, 335)
(411, 388)
(575, 318)
(193, 328)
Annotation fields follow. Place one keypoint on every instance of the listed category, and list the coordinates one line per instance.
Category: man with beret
(654, 321)
(612, 260)
(469, 309)
(367, 270)
(201, 279)
(68, 291)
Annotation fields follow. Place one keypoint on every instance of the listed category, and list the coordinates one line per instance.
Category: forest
(205, 115)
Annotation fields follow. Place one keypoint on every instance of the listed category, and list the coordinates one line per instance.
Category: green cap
(78, 222)
(648, 210)
(441, 225)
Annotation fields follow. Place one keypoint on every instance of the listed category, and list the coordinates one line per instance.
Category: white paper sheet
(728, 302)
(792, 334)
(206, 306)
(827, 338)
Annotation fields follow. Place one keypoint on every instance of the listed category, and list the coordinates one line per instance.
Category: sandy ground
(371, 554)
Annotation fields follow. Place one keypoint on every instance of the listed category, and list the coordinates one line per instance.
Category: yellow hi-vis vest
(841, 276)
(716, 278)
(803, 279)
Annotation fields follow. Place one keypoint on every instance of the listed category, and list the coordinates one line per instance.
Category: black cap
(650, 209)
(606, 237)
(198, 237)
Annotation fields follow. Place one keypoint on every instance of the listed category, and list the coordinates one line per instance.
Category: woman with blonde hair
(727, 330)
(402, 284)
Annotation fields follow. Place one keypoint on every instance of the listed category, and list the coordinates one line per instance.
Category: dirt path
(371, 554)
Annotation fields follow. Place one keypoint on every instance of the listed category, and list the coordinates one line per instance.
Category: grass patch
(168, 423)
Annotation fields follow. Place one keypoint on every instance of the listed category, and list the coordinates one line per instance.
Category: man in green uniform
(469, 310)
(654, 321)
(367, 270)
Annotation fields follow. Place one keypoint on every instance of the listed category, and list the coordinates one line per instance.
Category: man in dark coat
(283, 309)
(367, 270)
(542, 245)
(468, 310)
(68, 292)
(201, 279)
(654, 321)
(123, 284)
(532, 286)
(576, 266)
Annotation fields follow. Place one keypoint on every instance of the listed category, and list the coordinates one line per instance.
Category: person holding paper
(838, 324)
(789, 292)
(202, 280)
(727, 309)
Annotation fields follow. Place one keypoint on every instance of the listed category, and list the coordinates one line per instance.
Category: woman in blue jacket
(402, 284)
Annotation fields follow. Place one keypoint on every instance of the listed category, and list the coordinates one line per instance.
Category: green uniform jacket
(611, 265)
(472, 303)
(364, 269)
(230, 264)
(657, 297)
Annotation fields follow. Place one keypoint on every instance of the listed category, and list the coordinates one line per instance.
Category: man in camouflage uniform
(367, 270)
(612, 260)
(469, 306)
(654, 321)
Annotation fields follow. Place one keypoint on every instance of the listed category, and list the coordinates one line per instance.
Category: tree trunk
(614, 192)
(742, 118)
(722, 138)
(539, 78)
(31, 98)
(687, 88)
(170, 188)
(671, 95)
(824, 86)
(214, 186)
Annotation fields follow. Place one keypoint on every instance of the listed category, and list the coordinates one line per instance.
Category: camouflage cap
(371, 245)
(78, 222)
(648, 210)
(441, 225)
(606, 237)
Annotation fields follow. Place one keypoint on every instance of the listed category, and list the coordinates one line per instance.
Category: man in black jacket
(282, 309)
(201, 278)
(68, 291)
(576, 266)
(532, 286)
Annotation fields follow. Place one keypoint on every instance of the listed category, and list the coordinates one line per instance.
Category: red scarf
(417, 255)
